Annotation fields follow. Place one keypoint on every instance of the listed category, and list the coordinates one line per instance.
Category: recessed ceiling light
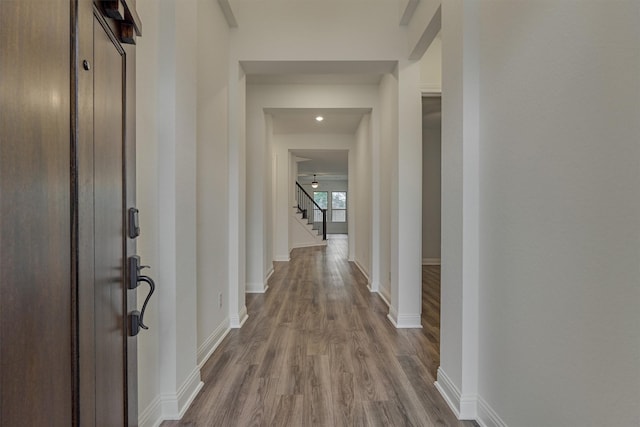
(319, 118)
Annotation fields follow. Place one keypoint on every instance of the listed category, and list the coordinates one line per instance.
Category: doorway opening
(431, 225)
(324, 176)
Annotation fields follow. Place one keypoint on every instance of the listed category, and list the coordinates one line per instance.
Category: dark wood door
(36, 292)
(67, 176)
(106, 189)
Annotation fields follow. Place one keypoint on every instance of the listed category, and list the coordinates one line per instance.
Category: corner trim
(212, 342)
(236, 322)
(281, 258)
(430, 261)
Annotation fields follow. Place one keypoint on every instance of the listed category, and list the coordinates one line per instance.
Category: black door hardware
(136, 318)
(134, 227)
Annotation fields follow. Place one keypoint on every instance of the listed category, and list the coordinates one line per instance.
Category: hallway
(317, 349)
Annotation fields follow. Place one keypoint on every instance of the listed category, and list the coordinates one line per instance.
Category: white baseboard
(404, 321)
(310, 245)
(465, 407)
(373, 286)
(363, 271)
(236, 321)
(449, 392)
(468, 406)
(431, 89)
(259, 288)
(385, 295)
(430, 261)
(210, 344)
(256, 288)
(152, 414)
(174, 405)
(487, 417)
(281, 258)
(266, 279)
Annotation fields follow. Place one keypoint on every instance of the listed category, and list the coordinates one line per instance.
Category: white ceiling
(309, 79)
(326, 164)
(303, 120)
(317, 68)
(408, 8)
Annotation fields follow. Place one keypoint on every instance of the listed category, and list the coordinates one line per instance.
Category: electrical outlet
(220, 300)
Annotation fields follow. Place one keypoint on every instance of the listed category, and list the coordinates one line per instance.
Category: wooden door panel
(36, 374)
(110, 294)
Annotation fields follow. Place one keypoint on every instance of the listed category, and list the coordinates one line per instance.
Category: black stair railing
(311, 211)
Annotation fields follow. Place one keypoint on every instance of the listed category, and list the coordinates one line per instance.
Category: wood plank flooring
(317, 350)
(431, 317)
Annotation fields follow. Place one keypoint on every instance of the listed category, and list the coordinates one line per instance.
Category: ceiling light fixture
(314, 183)
(319, 118)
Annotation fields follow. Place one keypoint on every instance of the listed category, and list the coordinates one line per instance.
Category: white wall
(458, 372)
(258, 166)
(406, 202)
(383, 170)
(431, 68)
(181, 108)
(361, 201)
(237, 194)
(185, 208)
(270, 178)
(212, 176)
(147, 198)
(560, 212)
(172, 138)
(540, 203)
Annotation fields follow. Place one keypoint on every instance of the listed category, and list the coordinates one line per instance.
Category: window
(339, 206)
(320, 197)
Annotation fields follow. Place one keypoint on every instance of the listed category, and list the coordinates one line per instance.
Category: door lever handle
(136, 318)
(152, 288)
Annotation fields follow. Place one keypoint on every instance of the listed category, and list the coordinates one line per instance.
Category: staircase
(308, 214)
(302, 233)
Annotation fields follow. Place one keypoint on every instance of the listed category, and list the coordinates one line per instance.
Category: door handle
(136, 318)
